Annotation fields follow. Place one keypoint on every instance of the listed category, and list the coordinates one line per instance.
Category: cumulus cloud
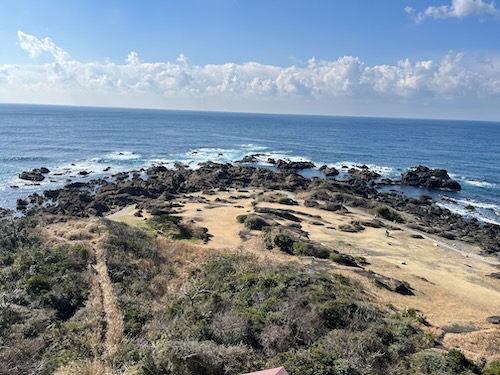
(457, 9)
(317, 86)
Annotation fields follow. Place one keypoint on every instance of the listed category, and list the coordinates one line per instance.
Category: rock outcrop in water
(36, 175)
(293, 165)
(428, 178)
(329, 171)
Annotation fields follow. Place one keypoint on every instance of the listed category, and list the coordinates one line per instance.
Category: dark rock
(344, 259)
(283, 214)
(84, 173)
(294, 165)
(21, 204)
(159, 212)
(329, 171)
(363, 173)
(50, 194)
(288, 201)
(32, 176)
(332, 207)
(373, 223)
(428, 178)
(76, 185)
(393, 285)
(180, 166)
(44, 170)
(107, 169)
(495, 319)
(311, 203)
(121, 176)
(99, 207)
(250, 159)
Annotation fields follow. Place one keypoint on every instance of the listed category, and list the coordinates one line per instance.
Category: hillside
(237, 280)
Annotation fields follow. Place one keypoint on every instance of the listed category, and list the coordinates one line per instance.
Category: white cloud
(36, 47)
(343, 86)
(457, 9)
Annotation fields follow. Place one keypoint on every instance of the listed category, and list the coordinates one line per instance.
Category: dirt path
(108, 320)
(113, 318)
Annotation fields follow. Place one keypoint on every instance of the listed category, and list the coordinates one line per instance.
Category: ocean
(68, 140)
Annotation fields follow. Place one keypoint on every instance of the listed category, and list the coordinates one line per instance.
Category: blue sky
(414, 58)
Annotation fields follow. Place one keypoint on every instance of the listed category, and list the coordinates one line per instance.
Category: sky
(387, 58)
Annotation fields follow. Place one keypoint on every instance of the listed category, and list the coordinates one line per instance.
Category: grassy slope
(189, 311)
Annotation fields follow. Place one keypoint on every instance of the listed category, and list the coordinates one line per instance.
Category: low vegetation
(389, 214)
(187, 310)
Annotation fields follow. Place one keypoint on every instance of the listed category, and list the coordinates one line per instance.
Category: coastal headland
(407, 254)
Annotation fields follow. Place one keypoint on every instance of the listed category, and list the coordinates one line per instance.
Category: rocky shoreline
(155, 188)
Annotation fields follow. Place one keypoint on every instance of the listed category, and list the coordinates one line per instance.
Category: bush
(315, 361)
(254, 222)
(389, 214)
(200, 357)
(493, 368)
(457, 363)
(283, 242)
(311, 249)
(428, 362)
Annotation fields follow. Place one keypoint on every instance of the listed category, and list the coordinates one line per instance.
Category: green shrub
(255, 222)
(37, 284)
(311, 249)
(492, 369)
(389, 214)
(315, 361)
(457, 363)
(283, 242)
(428, 362)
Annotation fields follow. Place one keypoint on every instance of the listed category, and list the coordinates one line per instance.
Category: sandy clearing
(450, 282)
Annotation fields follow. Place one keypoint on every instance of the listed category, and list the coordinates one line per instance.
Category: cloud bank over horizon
(346, 86)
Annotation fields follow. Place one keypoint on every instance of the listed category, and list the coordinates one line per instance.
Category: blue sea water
(68, 140)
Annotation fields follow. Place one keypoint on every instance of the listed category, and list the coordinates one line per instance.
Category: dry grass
(182, 257)
(71, 231)
(102, 298)
(479, 345)
(450, 288)
(85, 368)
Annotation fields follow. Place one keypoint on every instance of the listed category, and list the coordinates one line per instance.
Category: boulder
(294, 165)
(250, 159)
(422, 176)
(34, 175)
(329, 171)
(493, 319)
(363, 173)
(44, 170)
(21, 204)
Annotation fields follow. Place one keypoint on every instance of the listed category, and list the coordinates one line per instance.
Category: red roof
(274, 371)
